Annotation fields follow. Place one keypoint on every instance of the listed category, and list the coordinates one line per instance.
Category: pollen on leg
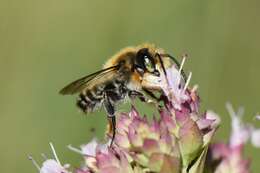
(109, 130)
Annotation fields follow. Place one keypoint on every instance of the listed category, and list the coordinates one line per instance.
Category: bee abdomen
(115, 91)
(89, 101)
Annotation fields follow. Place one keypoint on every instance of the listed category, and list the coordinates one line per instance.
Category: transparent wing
(86, 81)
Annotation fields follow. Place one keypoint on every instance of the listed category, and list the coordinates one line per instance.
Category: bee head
(145, 62)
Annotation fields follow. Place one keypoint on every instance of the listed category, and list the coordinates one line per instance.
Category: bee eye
(148, 64)
(144, 60)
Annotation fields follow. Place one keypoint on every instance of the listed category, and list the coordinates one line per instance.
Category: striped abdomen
(89, 100)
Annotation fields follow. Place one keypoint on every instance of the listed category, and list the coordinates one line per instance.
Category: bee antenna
(160, 59)
(177, 64)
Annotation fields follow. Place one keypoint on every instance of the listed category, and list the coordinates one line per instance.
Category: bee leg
(151, 94)
(133, 94)
(155, 100)
(112, 118)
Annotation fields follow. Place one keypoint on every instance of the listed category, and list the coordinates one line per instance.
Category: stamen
(44, 156)
(54, 154)
(78, 151)
(182, 63)
(187, 82)
(75, 149)
(240, 111)
(195, 88)
(230, 109)
(34, 162)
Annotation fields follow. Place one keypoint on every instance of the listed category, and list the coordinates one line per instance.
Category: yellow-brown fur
(127, 54)
(131, 50)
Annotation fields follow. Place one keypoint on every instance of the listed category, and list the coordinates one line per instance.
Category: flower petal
(159, 162)
(190, 141)
(255, 138)
(52, 166)
(90, 148)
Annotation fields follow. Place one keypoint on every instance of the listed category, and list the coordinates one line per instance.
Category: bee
(134, 72)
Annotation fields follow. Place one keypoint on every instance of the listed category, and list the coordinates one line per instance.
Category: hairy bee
(133, 72)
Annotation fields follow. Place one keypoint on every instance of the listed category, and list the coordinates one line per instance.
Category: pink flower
(255, 137)
(241, 132)
(180, 134)
(90, 152)
(174, 86)
(93, 147)
(257, 117)
(90, 148)
(230, 159)
(230, 156)
(51, 165)
(177, 140)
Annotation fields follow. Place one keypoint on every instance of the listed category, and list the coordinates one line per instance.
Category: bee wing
(83, 82)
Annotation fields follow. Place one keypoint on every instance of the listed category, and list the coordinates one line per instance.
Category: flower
(178, 140)
(51, 165)
(149, 144)
(174, 87)
(241, 133)
(229, 157)
(103, 159)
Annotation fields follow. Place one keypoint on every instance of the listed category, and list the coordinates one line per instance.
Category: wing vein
(80, 84)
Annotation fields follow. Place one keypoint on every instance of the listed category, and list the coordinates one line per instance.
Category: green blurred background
(44, 44)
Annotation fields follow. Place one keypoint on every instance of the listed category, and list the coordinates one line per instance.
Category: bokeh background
(46, 44)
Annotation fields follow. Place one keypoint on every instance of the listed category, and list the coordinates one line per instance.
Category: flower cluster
(177, 140)
(229, 157)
